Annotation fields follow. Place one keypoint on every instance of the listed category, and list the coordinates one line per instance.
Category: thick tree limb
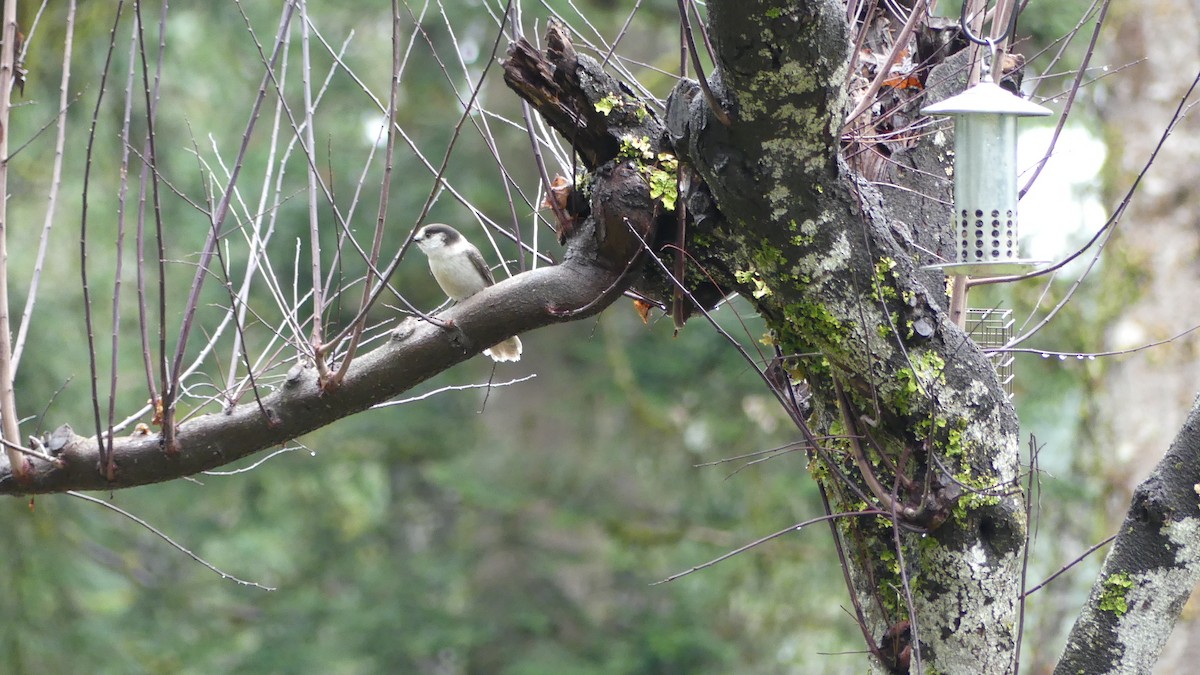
(1150, 572)
(417, 351)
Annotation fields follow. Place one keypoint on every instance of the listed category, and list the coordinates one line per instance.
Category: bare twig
(159, 533)
(314, 226)
(885, 68)
(1071, 93)
(1062, 570)
(8, 403)
(455, 387)
(713, 104)
(774, 535)
(55, 183)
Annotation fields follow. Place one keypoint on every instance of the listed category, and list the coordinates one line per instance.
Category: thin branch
(89, 324)
(454, 387)
(1074, 90)
(314, 227)
(1062, 570)
(161, 535)
(8, 402)
(381, 216)
(774, 535)
(885, 68)
(260, 462)
(720, 113)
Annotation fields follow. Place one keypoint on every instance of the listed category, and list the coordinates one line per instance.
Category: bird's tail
(509, 350)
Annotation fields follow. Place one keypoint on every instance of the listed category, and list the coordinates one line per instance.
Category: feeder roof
(986, 98)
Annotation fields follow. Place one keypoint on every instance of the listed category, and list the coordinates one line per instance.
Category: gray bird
(460, 270)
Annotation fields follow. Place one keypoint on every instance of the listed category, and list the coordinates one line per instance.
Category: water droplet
(1079, 357)
(1091, 357)
(312, 453)
(1045, 355)
(1062, 357)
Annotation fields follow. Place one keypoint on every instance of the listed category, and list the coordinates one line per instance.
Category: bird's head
(436, 236)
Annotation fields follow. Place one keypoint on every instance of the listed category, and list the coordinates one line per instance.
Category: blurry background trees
(516, 534)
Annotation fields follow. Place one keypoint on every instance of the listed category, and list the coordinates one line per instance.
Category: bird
(459, 268)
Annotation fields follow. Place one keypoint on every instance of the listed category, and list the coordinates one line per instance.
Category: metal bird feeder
(985, 177)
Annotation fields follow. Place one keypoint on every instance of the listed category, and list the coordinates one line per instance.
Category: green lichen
(753, 278)
(770, 258)
(1113, 592)
(883, 286)
(955, 440)
(927, 368)
(660, 170)
(611, 102)
(978, 492)
(816, 320)
(774, 13)
(663, 179)
(637, 148)
(606, 105)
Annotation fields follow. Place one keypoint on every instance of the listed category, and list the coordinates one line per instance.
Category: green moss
(769, 257)
(605, 105)
(774, 13)
(635, 148)
(818, 469)
(663, 179)
(810, 318)
(978, 493)
(751, 277)
(1114, 590)
(884, 283)
(955, 440)
(661, 170)
(927, 368)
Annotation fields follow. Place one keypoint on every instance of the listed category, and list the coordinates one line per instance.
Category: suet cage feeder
(992, 329)
(985, 179)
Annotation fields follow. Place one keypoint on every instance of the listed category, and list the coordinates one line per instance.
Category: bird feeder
(985, 178)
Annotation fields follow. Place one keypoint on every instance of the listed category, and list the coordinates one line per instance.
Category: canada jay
(460, 270)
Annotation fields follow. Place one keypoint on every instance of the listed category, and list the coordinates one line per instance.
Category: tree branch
(1149, 573)
(416, 352)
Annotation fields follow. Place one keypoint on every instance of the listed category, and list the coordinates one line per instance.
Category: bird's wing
(480, 264)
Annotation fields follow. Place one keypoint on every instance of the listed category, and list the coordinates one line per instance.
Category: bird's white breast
(457, 276)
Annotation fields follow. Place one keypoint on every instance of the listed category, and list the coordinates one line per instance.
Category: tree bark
(1150, 572)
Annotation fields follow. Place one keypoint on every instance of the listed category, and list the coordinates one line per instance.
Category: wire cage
(991, 329)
